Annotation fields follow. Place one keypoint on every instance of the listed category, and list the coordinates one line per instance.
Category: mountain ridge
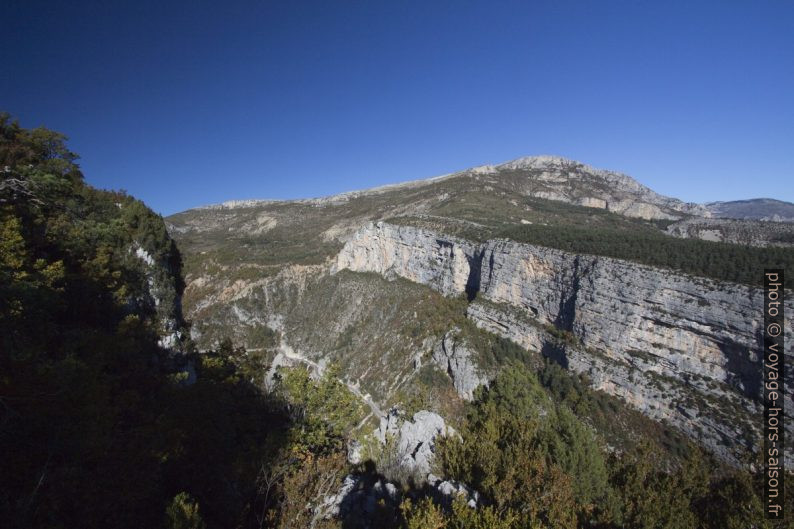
(765, 209)
(646, 202)
(523, 162)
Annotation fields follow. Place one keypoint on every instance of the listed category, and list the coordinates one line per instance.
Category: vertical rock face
(678, 348)
(689, 325)
(417, 255)
(163, 295)
(456, 359)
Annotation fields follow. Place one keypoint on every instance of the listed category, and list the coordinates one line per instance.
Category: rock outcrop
(413, 440)
(358, 496)
(442, 263)
(163, 295)
(457, 360)
(679, 348)
(447, 491)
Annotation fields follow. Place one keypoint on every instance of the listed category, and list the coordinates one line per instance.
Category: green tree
(651, 497)
(324, 411)
(733, 503)
(502, 454)
(424, 514)
(183, 513)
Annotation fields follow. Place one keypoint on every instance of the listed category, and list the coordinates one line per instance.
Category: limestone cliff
(163, 293)
(679, 348)
(386, 302)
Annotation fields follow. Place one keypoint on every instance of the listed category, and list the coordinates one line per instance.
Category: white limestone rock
(415, 438)
(458, 361)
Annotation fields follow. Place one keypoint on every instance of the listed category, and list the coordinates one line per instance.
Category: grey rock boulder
(413, 439)
(446, 491)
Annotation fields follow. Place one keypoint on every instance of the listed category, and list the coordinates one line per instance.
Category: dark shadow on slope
(742, 371)
(567, 310)
(475, 269)
(556, 352)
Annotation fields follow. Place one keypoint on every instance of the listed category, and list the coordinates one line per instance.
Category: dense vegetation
(726, 262)
(100, 426)
(537, 465)
(97, 428)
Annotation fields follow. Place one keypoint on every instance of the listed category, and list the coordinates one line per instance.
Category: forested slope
(97, 427)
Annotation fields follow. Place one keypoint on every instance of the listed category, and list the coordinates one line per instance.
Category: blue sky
(195, 102)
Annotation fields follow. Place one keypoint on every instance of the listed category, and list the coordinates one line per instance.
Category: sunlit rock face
(414, 254)
(162, 296)
(456, 359)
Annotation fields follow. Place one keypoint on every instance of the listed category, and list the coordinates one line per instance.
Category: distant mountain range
(565, 180)
(559, 179)
(754, 209)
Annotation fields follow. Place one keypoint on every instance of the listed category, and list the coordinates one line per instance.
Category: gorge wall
(679, 348)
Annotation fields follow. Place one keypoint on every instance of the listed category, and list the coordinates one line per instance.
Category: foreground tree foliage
(78, 391)
(102, 427)
(183, 513)
(537, 465)
(98, 427)
(323, 410)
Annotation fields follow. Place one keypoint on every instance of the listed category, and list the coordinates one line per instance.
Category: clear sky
(185, 103)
